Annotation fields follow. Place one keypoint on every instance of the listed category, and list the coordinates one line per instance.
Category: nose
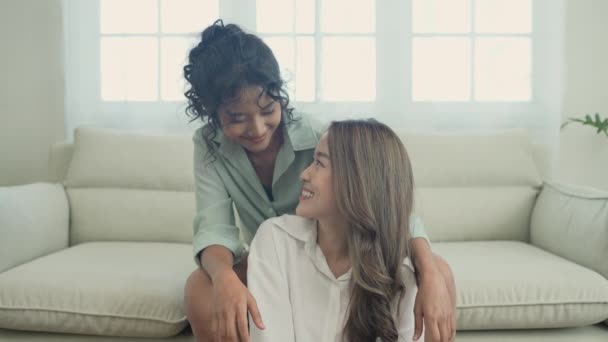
(304, 176)
(257, 129)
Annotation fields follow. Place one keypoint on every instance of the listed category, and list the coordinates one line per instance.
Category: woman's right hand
(232, 303)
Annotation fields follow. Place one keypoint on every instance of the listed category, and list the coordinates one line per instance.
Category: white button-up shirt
(299, 297)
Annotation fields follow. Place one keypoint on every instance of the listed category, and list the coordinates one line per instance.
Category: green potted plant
(601, 125)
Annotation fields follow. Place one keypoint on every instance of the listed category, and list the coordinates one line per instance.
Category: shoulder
(318, 126)
(199, 134)
(408, 273)
(305, 131)
(284, 229)
(201, 148)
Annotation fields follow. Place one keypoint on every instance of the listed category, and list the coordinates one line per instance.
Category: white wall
(31, 88)
(584, 154)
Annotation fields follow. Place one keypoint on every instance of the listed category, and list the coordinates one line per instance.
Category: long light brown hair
(373, 183)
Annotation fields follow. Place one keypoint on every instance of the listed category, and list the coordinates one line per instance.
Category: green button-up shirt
(229, 178)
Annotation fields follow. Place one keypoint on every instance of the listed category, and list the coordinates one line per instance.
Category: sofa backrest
(128, 187)
(124, 186)
(475, 186)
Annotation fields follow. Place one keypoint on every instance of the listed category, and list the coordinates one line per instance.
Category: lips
(257, 139)
(306, 194)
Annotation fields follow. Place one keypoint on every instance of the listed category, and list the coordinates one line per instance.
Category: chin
(301, 211)
(257, 148)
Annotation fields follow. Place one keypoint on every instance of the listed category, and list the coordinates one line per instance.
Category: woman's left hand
(435, 306)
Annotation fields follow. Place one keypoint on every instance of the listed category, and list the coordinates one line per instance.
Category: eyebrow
(322, 154)
(268, 105)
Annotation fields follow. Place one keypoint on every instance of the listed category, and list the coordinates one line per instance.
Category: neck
(331, 237)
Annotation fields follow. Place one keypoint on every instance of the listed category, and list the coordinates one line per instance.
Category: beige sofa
(103, 249)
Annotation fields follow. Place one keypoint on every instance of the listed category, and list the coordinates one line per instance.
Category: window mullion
(240, 12)
(392, 57)
(472, 70)
(159, 79)
(318, 52)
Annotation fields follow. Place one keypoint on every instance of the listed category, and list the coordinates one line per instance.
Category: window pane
(269, 22)
(186, 16)
(305, 16)
(441, 16)
(129, 69)
(500, 16)
(283, 49)
(348, 16)
(305, 69)
(441, 69)
(116, 16)
(297, 62)
(173, 57)
(502, 69)
(349, 69)
(274, 16)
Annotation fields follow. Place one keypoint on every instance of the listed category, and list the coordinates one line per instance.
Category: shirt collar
(306, 230)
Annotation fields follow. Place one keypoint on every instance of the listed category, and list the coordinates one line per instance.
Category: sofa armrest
(34, 221)
(572, 222)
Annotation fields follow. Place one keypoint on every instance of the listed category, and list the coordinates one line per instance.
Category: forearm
(424, 260)
(447, 274)
(216, 260)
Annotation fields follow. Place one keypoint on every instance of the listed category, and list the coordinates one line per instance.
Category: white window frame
(393, 103)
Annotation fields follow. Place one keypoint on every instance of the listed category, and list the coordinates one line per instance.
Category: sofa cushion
(573, 222)
(106, 158)
(476, 213)
(502, 158)
(514, 285)
(474, 186)
(113, 214)
(140, 184)
(104, 288)
(35, 216)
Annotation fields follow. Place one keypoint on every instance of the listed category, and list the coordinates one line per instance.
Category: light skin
(254, 123)
(317, 201)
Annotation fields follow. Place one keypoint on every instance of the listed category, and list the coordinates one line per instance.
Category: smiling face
(317, 200)
(252, 120)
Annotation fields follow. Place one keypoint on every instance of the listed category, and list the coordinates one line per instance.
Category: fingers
(241, 322)
(252, 307)
(417, 320)
(227, 327)
(215, 329)
(432, 332)
(453, 327)
(446, 331)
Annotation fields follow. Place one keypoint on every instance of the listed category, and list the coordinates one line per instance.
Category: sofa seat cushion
(130, 289)
(514, 285)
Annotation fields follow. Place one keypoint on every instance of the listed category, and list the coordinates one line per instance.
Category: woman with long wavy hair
(340, 270)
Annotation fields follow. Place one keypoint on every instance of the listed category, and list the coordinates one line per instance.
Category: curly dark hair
(224, 62)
